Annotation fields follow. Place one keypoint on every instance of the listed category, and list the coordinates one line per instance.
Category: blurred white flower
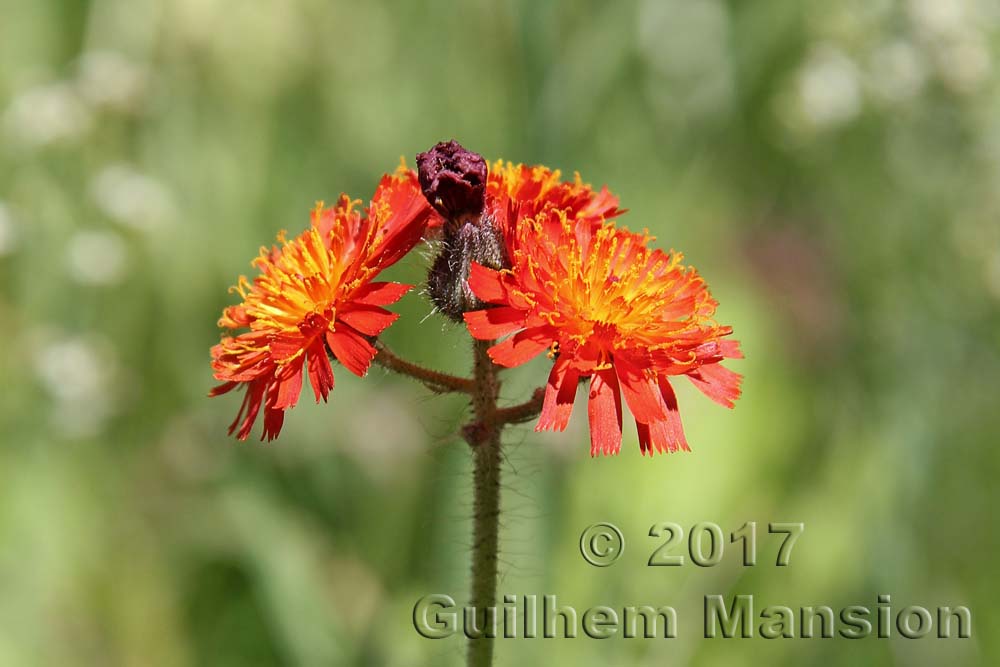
(828, 89)
(70, 369)
(96, 257)
(274, 52)
(686, 43)
(965, 63)
(8, 233)
(79, 375)
(46, 114)
(897, 72)
(954, 32)
(939, 17)
(109, 79)
(131, 198)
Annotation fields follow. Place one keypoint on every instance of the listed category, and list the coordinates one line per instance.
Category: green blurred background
(833, 169)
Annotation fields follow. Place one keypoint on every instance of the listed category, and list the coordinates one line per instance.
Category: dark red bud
(453, 179)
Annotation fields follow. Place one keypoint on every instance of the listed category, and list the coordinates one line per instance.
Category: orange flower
(518, 192)
(606, 307)
(315, 295)
(483, 208)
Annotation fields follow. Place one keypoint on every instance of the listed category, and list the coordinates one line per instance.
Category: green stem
(434, 380)
(483, 435)
(522, 412)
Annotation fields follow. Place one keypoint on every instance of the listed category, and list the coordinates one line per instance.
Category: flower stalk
(530, 264)
(523, 412)
(436, 381)
(483, 435)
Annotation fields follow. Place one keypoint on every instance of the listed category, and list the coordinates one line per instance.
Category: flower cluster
(315, 295)
(529, 261)
(606, 308)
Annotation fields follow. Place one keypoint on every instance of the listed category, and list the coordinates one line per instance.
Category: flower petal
(401, 213)
(666, 435)
(560, 392)
(320, 372)
(645, 440)
(369, 320)
(250, 407)
(640, 391)
(351, 349)
(287, 385)
(285, 346)
(718, 383)
(730, 349)
(493, 323)
(273, 420)
(486, 284)
(223, 388)
(380, 294)
(605, 411)
(520, 348)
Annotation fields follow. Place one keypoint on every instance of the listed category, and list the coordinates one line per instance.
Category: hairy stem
(522, 412)
(436, 381)
(483, 435)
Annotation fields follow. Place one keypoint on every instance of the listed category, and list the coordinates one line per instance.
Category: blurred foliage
(831, 168)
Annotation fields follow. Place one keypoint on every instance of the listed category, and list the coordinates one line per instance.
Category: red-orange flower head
(604, 305)
(315, 296)
(481, 208)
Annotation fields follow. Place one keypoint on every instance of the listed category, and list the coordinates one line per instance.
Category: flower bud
(448, 280)
(454, 182)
